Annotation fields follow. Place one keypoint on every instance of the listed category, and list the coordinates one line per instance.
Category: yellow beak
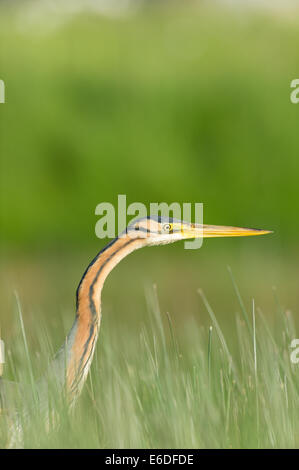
(209, 231)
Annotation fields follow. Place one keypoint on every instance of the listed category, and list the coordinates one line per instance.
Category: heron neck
(83, 336)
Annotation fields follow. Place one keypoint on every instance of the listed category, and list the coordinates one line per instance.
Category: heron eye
(167, 227)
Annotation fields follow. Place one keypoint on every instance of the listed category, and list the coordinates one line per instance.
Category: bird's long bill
(209, 231)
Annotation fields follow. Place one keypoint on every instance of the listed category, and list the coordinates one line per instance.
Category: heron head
(158, 230)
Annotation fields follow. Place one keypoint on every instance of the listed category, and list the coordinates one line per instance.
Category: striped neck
(82, 338)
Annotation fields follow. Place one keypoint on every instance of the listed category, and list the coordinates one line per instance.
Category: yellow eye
(167, 227)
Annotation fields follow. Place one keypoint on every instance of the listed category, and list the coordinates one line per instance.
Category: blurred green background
(167, 104)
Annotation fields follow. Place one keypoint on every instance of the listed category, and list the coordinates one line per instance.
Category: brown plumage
(72, 362)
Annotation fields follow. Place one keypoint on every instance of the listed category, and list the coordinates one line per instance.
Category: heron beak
(209, 231)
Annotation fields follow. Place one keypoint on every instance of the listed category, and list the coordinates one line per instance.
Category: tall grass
(194, 388)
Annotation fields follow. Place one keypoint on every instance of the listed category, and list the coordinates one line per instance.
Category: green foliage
(182, 105)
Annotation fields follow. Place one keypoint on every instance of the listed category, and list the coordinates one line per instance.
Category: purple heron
(72, 362)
